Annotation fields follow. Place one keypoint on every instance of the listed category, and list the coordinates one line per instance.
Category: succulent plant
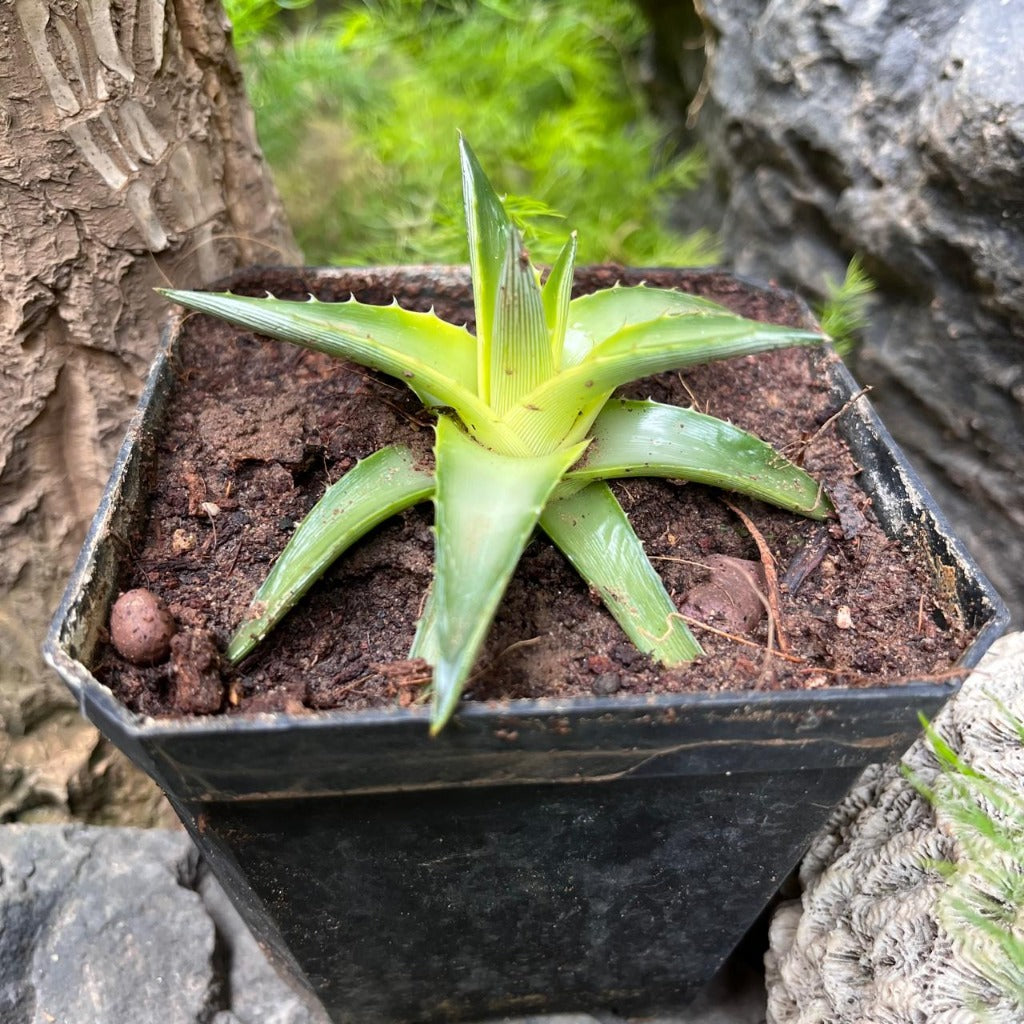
(527, 434)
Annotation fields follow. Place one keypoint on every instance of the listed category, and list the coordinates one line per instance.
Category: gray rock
(606, 683)
(257, 994)
(120, 926)
(97, 928)
(895, 129)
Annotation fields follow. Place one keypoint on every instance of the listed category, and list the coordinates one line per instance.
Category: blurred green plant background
(358, 104)
(843, 313)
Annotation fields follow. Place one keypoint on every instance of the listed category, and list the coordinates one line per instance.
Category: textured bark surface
(128, 159)
(894, 129)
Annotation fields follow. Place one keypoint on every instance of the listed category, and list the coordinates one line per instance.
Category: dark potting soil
(258, 430)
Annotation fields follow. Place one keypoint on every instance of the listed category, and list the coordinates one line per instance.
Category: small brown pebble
(606, 683)
(731, 599)
(141, 627)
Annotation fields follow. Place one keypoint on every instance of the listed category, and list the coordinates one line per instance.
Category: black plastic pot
(538, 856)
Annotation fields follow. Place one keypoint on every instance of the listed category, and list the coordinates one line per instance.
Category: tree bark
(128, 159)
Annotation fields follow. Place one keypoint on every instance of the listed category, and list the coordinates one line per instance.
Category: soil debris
(197, 687)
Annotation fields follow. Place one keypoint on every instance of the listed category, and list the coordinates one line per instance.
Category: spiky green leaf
(373, 490)
(593, 532)
(488, 227)
(486, 507)
(434, 358)
(563, 409)
(520, 348)
(652, 439)
(415, 347)
(593, 318)
(557, 296)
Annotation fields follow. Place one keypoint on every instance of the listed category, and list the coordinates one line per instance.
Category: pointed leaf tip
(375, 488)
(592, 530)
(448, 688)
(486, 507)
(520, 347)
(487, 230)
(557, 296)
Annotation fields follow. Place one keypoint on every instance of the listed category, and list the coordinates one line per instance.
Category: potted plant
(604, 850)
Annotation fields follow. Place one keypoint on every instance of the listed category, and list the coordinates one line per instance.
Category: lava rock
(99, 929)
(195, 673)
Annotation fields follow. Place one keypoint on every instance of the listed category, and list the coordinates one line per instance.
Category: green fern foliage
(844, 313)
(356, 112)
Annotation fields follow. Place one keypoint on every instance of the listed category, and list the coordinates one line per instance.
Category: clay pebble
(141, 627)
